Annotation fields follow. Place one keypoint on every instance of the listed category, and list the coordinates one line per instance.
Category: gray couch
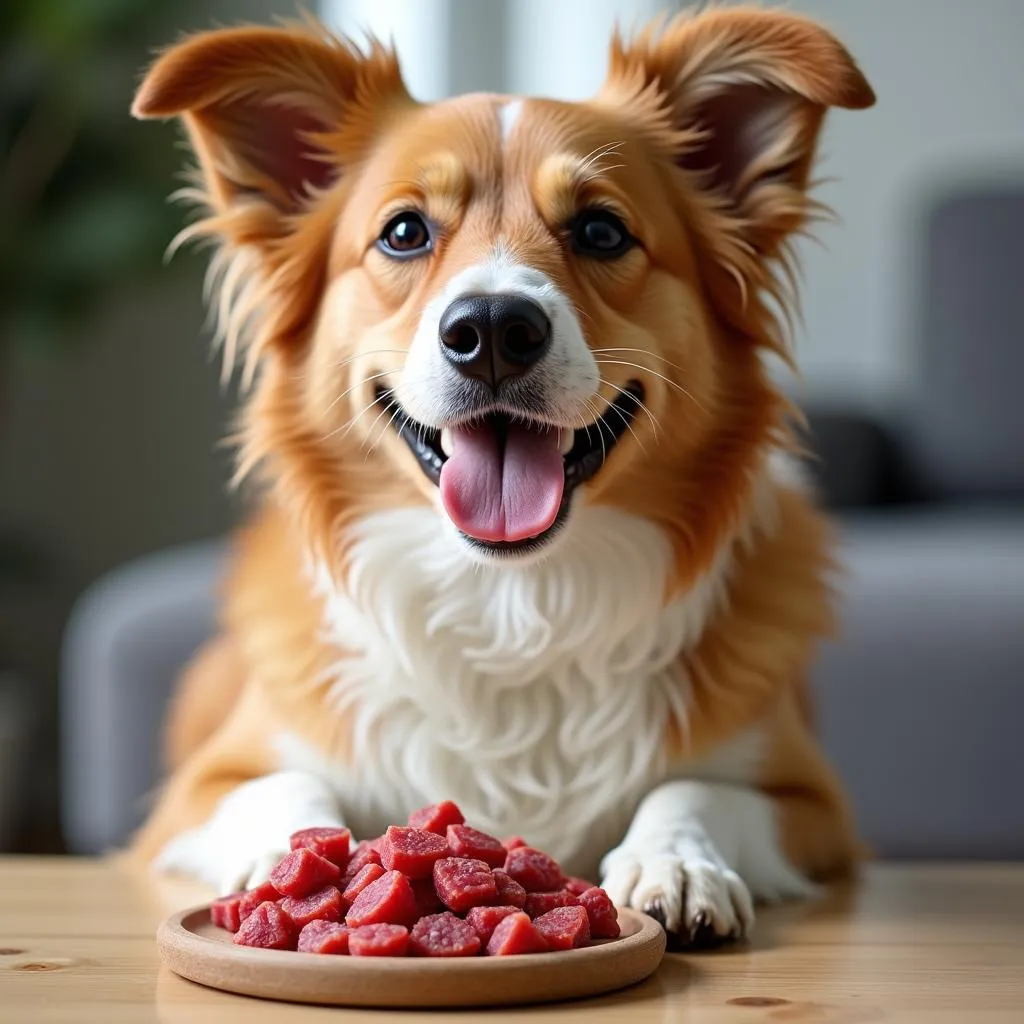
(921, 700)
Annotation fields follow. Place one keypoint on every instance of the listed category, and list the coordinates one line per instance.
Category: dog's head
(502, 306)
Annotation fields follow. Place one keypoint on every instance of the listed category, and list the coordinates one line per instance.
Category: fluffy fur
(651, 658)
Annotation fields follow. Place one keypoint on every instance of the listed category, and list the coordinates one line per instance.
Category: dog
(531, 532)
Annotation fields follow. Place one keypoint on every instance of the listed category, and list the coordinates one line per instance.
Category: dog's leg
(697, 856)
(226, 816)
(247, 834)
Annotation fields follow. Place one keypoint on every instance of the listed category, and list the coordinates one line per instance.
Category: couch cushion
(968, 430)
(922, 698)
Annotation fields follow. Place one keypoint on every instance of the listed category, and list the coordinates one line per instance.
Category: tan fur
(308, 300)
(208, 690)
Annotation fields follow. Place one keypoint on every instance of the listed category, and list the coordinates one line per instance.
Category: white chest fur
(536, 697)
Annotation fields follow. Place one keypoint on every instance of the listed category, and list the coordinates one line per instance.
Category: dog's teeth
(446, 441)
(566, 440)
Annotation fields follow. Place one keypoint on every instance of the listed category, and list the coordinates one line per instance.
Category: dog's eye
(405, 235)
(601, 234)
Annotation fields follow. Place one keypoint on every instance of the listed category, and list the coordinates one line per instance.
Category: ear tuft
(737, 95)
(260, 104)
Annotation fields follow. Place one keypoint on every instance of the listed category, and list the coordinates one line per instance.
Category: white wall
(950, 81)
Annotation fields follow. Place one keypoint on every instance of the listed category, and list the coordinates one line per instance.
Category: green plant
(82, 187)
(83, 211)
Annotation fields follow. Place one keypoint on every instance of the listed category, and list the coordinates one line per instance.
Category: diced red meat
(510, 892)
(254, 897)
(413, 851)
(267, 927)
(379, 940)
(368, 874)
(463, 883)
(226, 911)
(324, 937)
(302, 871)
(427, 899)
(516, 934)
(578, 886)
(362, 854)
(470, 842)
(483, 920)
(323, 905)
(331, 843)
(538, 903)
(433, 888)
(389, 900)
(604, 919)
(443, 935)
(564, 927)
(534, 870)
(437, 817)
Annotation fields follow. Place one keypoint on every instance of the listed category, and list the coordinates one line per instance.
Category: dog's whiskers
(639, 401)
(660, 376)
(344, 428)
(351, 359)
(643, 352)
(600, 433)
(358, 383)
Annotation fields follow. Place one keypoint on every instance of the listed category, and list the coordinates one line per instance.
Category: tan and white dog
(528, 537)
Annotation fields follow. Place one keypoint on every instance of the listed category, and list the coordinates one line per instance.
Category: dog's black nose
(493, 337)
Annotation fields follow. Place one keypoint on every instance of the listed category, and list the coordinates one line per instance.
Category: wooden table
(929, 944)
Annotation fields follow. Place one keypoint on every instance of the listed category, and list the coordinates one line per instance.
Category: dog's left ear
(739, 96)
(271, 113)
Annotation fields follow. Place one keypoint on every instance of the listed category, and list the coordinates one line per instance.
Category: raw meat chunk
(534, 870)
(463, 883)
(254, 897)
(324, 937)
(426, 896)
(578, 886)
(604, 919)
(538, 903)
(323, 905)
(510, 892)
(516, 934)
(564, 927)
(443, 935)
(302, 871)
(437, 817)
(389, 900)
(483, 920)
(362, 854)
(369, 874)
(412, 851)
(267, 927)
(225, 912)
(331, 843)
(469, 842)
(379, 940)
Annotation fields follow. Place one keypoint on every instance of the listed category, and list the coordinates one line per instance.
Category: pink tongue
(497, 496)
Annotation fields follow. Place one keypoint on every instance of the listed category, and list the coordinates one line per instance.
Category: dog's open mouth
(505, 481)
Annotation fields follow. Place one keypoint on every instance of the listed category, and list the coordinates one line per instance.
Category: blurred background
(112, 482)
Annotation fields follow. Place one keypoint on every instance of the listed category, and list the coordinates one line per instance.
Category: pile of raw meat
(434, 887)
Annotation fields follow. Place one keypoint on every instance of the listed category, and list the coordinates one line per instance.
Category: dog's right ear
(272, 113)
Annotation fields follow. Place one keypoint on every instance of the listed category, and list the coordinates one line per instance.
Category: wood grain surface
(924, 944)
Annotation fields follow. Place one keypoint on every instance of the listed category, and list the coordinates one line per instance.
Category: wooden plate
(192, 946)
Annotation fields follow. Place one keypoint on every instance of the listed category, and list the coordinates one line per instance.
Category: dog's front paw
(248, 833)
(699, 903)
(201, 854)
